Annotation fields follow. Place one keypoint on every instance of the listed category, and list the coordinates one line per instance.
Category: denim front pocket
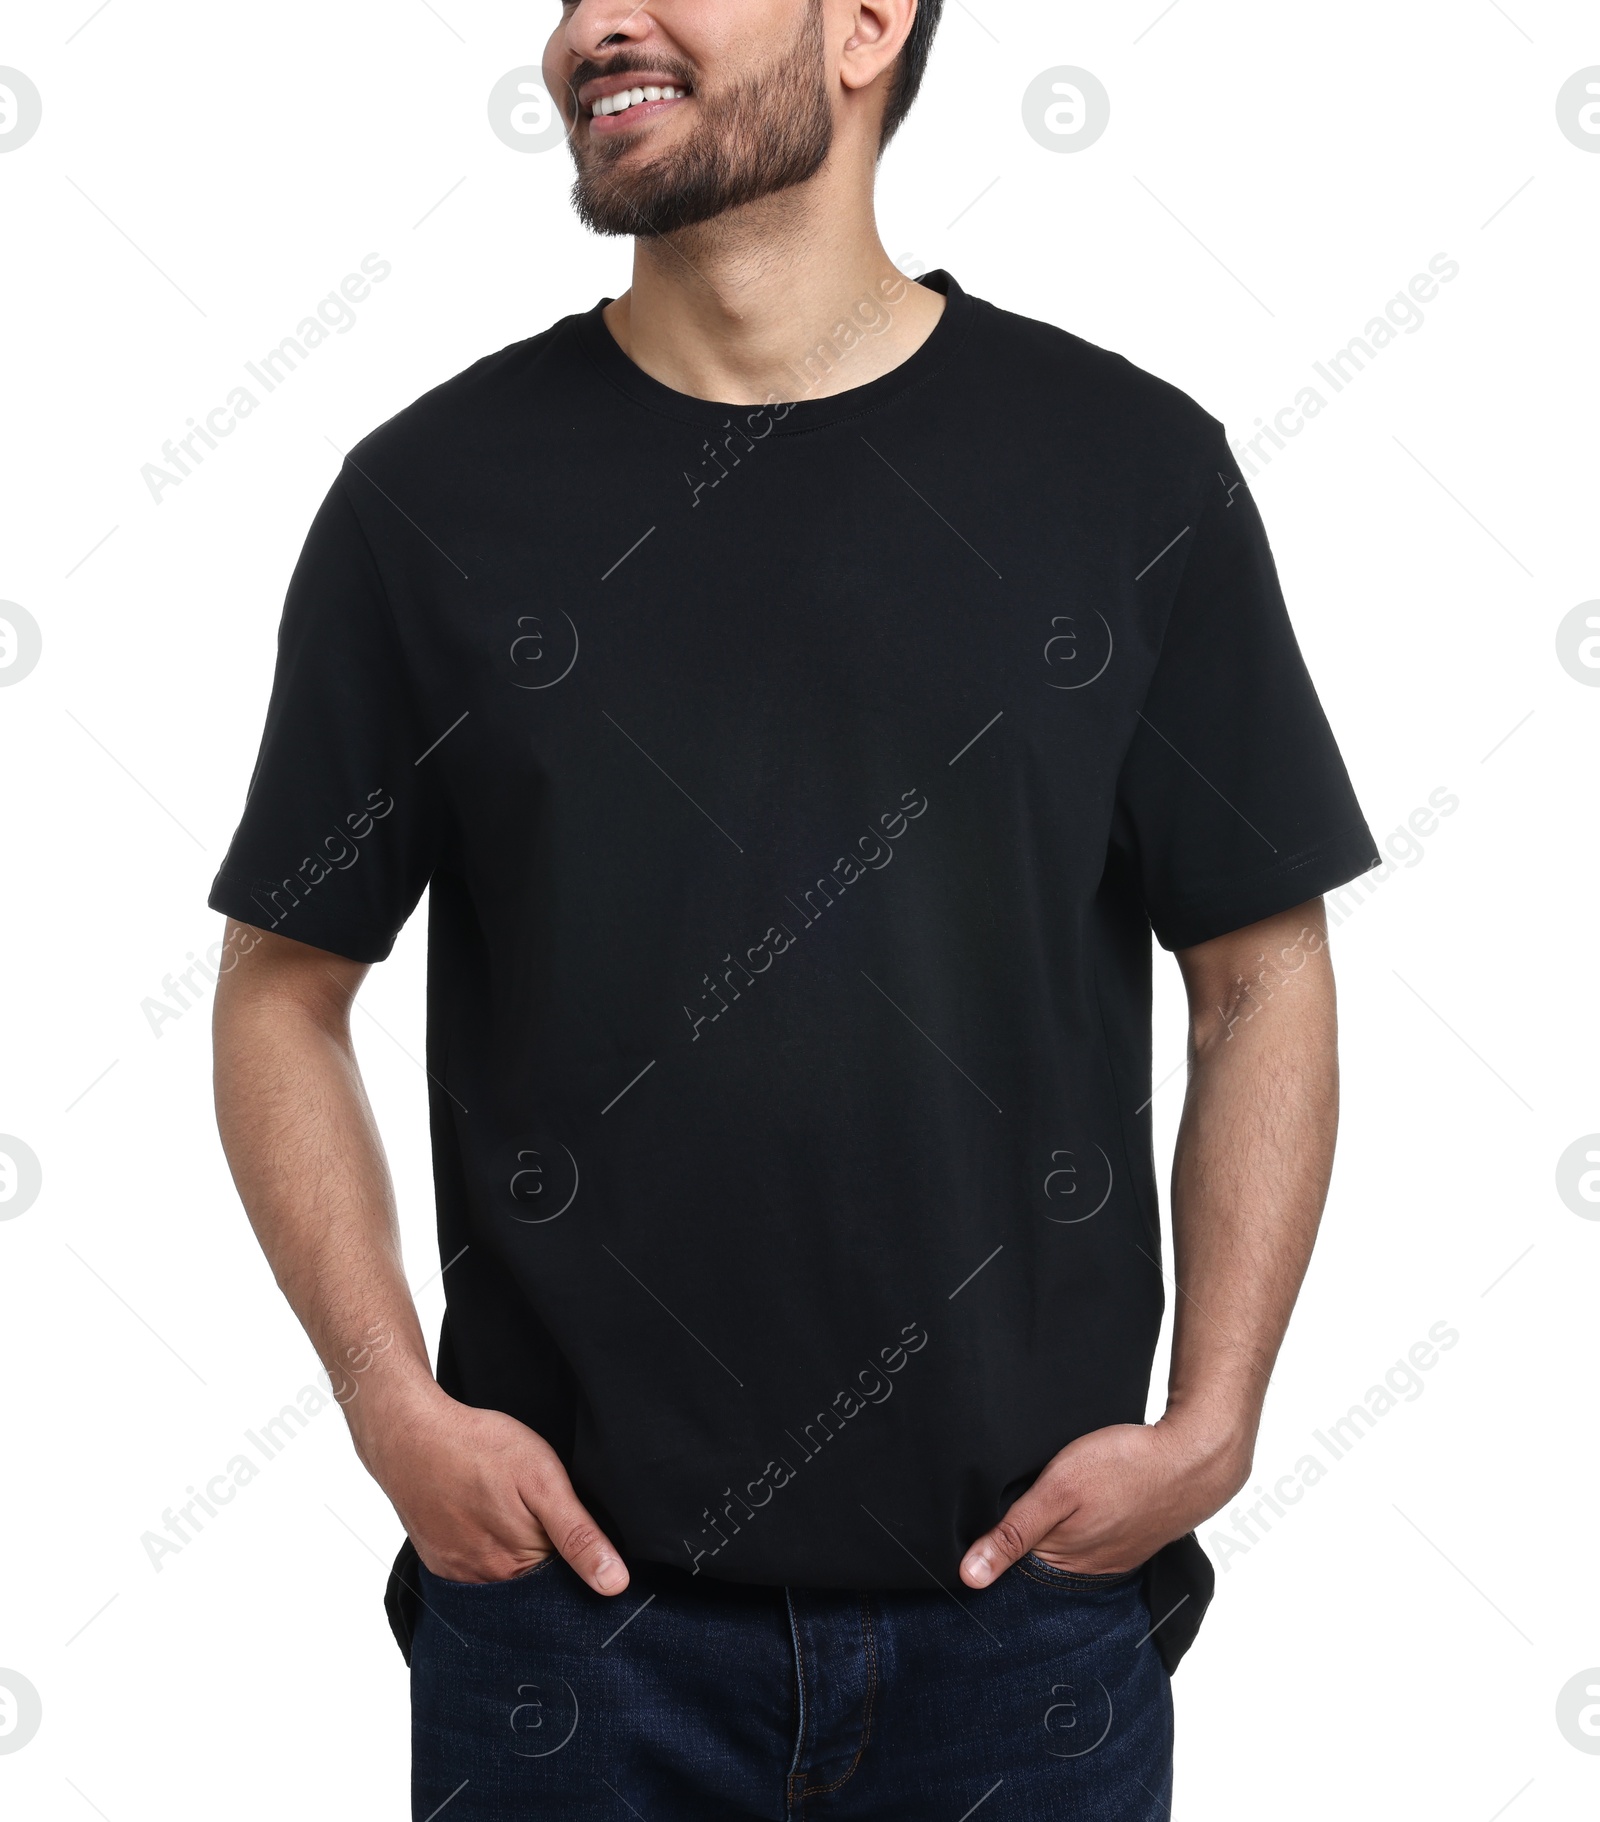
(513, 1581)
(1038, 1570)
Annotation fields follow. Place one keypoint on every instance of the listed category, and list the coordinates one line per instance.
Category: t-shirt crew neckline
(803, 413)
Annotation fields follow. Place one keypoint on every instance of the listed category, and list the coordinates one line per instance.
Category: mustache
(633, 63)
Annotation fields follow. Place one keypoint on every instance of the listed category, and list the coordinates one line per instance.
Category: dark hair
(910, 67)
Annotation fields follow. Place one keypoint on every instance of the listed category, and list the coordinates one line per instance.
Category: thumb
(1027, 1520)
(577, 1539)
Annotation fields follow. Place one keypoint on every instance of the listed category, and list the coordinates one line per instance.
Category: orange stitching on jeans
(870, 1649)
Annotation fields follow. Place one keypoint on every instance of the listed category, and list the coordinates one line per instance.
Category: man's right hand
(482, 1497)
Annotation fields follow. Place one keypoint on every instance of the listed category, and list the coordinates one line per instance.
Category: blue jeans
(686, 1700)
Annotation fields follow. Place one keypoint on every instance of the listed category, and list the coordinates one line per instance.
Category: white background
(1271, 177)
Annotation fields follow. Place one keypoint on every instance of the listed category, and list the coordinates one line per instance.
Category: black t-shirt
(796, 789)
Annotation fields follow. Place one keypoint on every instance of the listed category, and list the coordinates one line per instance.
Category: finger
(1028, 1519)
(578, 1539)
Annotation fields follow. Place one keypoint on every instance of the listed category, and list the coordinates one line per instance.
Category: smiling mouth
(625, 100)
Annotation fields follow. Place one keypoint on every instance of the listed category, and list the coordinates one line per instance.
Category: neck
(792, 297)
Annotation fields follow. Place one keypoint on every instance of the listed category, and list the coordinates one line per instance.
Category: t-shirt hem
(233, 894)
(1303, 875)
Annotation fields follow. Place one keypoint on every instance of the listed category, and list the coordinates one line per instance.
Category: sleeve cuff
(307, 921)
(1291, 881)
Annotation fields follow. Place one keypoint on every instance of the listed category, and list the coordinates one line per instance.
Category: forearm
(482, 1496)
(1250, 1175)
(1254, 1152)
(308, 1162)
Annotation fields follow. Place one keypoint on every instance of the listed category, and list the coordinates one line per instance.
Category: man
(800, 691)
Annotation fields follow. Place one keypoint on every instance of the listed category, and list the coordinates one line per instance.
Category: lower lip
(603, 124)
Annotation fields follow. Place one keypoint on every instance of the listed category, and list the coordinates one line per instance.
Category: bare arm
(1250, 1175)
(482, 1496)
(1253, 1159)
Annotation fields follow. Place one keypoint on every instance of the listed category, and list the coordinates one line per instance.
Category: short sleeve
(1233, 796)
(340, 823)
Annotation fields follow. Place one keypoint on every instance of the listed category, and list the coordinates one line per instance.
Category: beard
(769, 133)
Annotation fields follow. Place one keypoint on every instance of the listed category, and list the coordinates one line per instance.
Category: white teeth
(630, 98)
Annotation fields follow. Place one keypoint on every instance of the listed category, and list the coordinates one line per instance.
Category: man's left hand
(1109, 1501)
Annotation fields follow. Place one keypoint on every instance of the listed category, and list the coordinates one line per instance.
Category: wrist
(1217, 1436)
(396, 1398)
